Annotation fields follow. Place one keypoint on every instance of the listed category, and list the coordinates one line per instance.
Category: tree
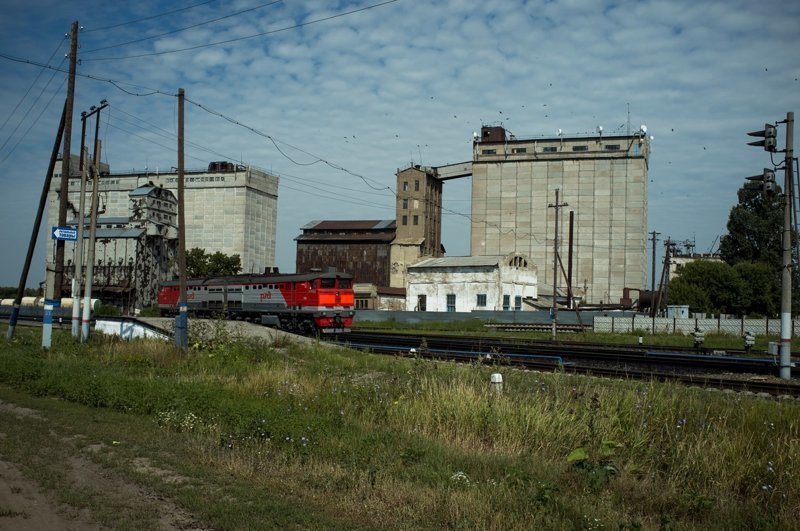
(755, 228)
(708, 287)
(200, 264)
(755, 235)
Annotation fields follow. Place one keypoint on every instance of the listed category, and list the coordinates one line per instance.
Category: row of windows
(422, 302)
(415, 220)
(553, 149)
(415, 204)
(234, 290)
(198, 179)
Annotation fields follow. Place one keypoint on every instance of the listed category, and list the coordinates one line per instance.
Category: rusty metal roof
(346, 237)
(355, 224)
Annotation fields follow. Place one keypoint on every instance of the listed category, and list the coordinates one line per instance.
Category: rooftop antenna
(629, 120)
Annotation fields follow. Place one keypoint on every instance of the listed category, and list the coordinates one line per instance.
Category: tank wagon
(305, 303)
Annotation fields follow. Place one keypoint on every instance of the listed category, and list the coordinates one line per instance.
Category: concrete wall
(606, 189)
(231, 212)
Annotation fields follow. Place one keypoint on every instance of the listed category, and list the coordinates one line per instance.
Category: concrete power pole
(786, 272)
(557, 206)
(182, 323)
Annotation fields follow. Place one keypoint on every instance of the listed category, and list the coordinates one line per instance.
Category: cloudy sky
(335, 95)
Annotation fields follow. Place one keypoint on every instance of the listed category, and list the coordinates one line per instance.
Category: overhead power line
(237, 39)
(148, 18)
(317, 159)
(184, 29)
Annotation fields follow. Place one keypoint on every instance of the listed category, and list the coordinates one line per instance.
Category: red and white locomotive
(307, 303)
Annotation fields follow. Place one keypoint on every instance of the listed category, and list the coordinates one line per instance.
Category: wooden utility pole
(181, 328)
(47, 320)
(653, 235)
(58, 284)
(557, 207)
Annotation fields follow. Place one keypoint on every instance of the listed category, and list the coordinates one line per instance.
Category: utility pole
(767, 178)
(654, 239)
(66, 172)
(569, 258)
(77, 277)
(557, 206)
(786, 272)
(87, 290)
(182, 322)
(78, 273)
(47, 320)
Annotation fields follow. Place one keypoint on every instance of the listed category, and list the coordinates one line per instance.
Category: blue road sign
(65, 233)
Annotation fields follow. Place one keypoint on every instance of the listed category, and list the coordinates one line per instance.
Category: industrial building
(468, 283)
(229, 207)
(361, 248)
(132, 254)
(601, 179)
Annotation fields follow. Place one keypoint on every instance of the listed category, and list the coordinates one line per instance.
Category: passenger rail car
(306, 303)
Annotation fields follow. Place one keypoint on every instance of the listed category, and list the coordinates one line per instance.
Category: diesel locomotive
(321, 302)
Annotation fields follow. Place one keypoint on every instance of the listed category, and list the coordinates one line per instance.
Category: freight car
(305, 303)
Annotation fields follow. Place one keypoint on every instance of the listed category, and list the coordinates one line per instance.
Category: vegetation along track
(714, 371)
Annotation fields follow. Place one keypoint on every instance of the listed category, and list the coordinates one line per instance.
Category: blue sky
(408, 81)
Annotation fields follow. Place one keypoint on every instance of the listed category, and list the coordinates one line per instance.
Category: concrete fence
(674, 325)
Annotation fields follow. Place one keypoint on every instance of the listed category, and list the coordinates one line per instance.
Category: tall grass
(385, 442)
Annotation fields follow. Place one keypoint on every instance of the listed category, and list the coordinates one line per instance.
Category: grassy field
(246, 435)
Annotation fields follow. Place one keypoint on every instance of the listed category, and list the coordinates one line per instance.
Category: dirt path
(26, 505)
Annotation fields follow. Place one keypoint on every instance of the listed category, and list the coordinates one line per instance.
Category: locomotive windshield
(328, 283)
(344, 283)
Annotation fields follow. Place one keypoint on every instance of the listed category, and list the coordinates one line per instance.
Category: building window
(416, 204)
(405, 220)
(517, 303)
(612, 147)
(416, 185)
(506, 302)
(519, 150)
(550, 149)
(580, 148)
(489, 152)
(451, 302)
(405, 186)
(405, 204)
(481, 300)
(422, 303)
(416, 220)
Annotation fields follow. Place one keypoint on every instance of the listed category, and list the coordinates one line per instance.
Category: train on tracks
(317, 302)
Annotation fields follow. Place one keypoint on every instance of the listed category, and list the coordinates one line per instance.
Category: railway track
(756, 375)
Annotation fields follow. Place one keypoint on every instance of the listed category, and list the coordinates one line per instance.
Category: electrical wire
(34, 122)
(89, 76)
(275, 142)
(148, 18)
(237, 39)
(60, 44)
(183, 29)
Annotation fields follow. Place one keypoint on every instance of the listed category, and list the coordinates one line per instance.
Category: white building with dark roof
(468, 283)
